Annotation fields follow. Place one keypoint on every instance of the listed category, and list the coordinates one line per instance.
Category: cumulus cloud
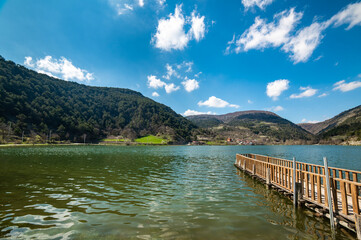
(306, 92)
(141, 3)
(322, 95)
(187, 65)
(190, 84)
(345, 87)
(194, 112)
(279, 33)
(304, 120)
(276, 109)
(262, 34)
(198, 28)
(169, 88)
(274, 89)
(259, 3)
(217, 103)
(171, 34)
(155, 94)
(59, 68)
(170, 72)
(154, 82)
(302, 45)
(29, 62)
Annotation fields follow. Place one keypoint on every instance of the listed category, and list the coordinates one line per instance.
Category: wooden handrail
(344, 183)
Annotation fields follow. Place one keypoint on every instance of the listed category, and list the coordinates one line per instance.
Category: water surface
(150, 192)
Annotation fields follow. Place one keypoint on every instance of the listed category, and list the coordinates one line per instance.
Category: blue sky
(300, 59)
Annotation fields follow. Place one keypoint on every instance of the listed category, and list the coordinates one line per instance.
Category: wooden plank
(319, 193)
(355, 203)
(343, 198)
(334, 195)
(312, 187)
(307, 185)
(325, 188)
(348, 185)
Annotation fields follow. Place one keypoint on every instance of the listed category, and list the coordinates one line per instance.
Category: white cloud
(154, 82)
(304, 120)
(250, 102)
(217, 103)
(141, 3)
(318, 58)
(29, 62)
(275, 109)
(351, 15)
(259, 3)
(306, 92)
(190, 84)
(197, 75)
(155, 94)
(262, 34)
(305, 42)
(194, 112)
(198, 28)
(171, 33)
(322, 95)
(345, 87)
(59, 68)
(161, 2)
(169, 88)
(170, 72)
(274, 89)
(300, 45)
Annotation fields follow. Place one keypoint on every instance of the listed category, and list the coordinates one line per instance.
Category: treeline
(36, 105)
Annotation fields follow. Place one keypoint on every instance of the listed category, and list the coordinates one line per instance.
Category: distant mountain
(36, 104)
(262, 126)
(345, 126)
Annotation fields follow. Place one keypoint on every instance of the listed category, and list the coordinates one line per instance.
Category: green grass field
(150, 139)
(112, 140)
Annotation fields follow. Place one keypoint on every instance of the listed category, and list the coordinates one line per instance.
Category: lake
(153, 192)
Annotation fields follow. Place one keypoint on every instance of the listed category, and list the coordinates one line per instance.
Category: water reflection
(91, 192)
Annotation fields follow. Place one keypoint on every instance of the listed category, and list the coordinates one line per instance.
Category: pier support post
(268, 176)
(328, 186)
(253, 170)
(358, 225)
(294, 183)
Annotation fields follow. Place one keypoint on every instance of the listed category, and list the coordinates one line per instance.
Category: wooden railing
(344, 186)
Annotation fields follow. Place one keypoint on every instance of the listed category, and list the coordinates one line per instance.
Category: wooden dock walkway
(344, 186)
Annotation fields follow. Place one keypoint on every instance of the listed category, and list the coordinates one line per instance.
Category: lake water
(150, 192)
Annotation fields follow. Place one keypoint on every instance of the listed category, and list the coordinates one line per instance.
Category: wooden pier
(312, 184)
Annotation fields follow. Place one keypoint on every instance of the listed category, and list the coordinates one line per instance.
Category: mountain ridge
(35, 104)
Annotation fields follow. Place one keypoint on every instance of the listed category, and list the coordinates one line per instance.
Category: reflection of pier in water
(311, 179)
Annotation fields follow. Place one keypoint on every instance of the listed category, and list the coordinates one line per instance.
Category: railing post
(253, 169)
(294, 182)
(328, 189)
(268, 176)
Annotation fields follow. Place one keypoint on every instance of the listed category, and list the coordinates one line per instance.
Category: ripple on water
(92, 192)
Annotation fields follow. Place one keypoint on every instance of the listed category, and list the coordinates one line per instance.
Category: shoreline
(150, 144)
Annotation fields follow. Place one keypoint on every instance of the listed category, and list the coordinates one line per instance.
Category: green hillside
(342, 128)
(257, 126)
(36, 104)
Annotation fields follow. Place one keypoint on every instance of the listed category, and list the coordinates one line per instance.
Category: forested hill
(260, 127)
(344, 127)
(36, 104)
